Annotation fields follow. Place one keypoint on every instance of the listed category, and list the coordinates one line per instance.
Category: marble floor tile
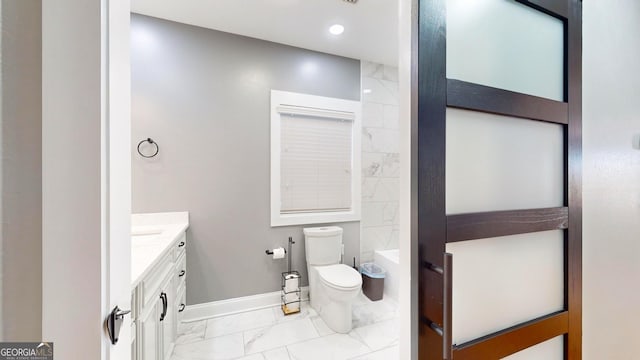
(361, 299)
(277, 354)
(239, 322)
(219, 348)
(390, 353)
(278, 335)
(303, 336)
(367, 312)
(306, 311)
(332, 347)
(189, 332)
(379, 335)
(322, 327)
(252, 357)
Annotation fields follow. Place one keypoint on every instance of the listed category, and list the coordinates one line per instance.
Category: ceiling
(371, 26)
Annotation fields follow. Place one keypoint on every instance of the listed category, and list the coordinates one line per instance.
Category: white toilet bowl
(333, 289)
(332, 286)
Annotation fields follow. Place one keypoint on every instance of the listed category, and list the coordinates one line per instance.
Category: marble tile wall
(380, 159)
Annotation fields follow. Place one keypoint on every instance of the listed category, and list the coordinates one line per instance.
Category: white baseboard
(236, 305)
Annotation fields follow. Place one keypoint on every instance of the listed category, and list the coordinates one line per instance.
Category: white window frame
(328, 107)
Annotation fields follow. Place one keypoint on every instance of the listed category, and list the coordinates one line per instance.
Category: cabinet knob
(182, 273)
(182, 306)
(181, 244)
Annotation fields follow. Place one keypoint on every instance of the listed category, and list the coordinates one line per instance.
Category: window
(315, 159)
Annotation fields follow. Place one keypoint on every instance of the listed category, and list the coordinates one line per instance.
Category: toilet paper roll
(291, 297)
(278, 253)
(290, 283)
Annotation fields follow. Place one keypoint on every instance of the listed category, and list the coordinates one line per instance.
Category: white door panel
(548, 350)
(504, 44)
(504, 281)
(500, 163)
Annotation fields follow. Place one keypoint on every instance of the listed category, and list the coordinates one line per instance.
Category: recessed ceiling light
(336, 29)
(367, 91)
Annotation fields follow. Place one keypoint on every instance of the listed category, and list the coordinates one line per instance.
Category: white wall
(21, 201)
(611, 135)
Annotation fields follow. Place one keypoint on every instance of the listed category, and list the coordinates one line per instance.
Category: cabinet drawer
(181, 245)
(182, 302)
(181, 270)
(150, 286)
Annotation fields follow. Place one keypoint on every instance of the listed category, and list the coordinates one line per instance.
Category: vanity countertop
(152, 237)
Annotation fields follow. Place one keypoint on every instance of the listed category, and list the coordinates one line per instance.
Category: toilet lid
(340, 276)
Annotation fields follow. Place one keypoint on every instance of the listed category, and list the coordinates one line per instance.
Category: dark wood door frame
(434, 93)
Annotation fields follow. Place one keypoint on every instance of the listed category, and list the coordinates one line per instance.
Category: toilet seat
(340, 277)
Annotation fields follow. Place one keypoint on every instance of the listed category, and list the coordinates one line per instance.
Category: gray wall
(21, 170)
(611, 135)
(204, 96)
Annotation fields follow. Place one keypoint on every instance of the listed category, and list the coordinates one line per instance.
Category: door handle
(182, 272)
(447, 296)
(114, 323)
(181, 244)
(165, 305)
(447, 308)
(182, 306)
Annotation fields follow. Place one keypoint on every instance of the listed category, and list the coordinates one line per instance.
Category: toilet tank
(323, 245)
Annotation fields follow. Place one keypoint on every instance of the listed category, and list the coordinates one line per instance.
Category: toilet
(332, 286)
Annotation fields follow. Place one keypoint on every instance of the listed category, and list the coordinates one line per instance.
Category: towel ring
(150, 141)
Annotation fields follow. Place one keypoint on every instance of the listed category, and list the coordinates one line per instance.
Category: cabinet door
(168, 324)
(149, 341)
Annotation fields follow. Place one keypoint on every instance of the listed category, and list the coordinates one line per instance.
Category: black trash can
(372, 280)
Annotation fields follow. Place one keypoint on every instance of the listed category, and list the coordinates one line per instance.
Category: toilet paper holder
(270, 252)
(290, 286)
(290, 293)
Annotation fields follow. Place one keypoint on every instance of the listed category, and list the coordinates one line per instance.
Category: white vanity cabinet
(157, 300)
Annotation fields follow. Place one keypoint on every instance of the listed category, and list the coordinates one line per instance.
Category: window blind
(316, 162)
